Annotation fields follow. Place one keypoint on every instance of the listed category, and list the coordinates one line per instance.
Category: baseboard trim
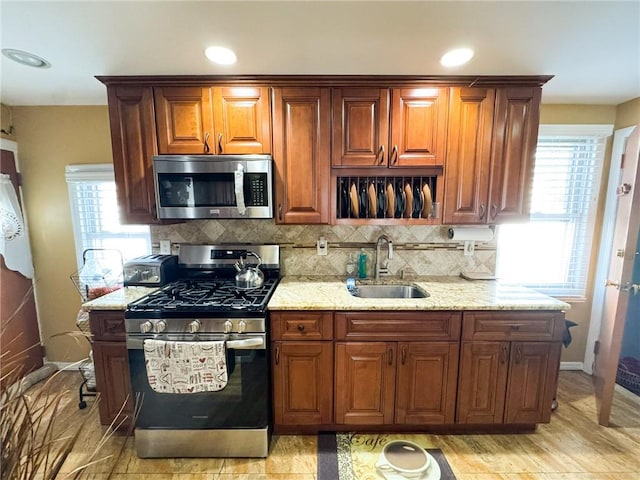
(571, 365)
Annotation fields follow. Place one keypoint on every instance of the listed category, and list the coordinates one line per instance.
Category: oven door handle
(246, 343)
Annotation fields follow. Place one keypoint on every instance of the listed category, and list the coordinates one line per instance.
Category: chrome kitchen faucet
(384, 269)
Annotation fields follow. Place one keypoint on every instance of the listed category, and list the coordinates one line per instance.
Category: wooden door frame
(605, 247)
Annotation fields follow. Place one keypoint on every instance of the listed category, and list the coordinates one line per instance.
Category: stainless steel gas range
(198, 357)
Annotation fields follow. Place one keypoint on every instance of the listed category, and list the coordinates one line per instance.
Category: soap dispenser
(362, 264)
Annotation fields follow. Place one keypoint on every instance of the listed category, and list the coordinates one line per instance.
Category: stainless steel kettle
(248, 277)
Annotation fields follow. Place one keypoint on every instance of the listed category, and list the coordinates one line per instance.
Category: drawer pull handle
(277, 355)
(300, 327)
(515, 327)
(404, 354)
(390, 354)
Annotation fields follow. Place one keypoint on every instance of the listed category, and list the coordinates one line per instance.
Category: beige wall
(628, 114)
(48, 139)
(51, 137)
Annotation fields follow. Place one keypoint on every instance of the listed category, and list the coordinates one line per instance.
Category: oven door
(242, 403)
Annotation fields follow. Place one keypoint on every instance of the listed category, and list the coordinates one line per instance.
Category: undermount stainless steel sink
(388, 291)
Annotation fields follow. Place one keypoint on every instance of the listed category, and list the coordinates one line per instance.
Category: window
(94, 214)
(551, 252)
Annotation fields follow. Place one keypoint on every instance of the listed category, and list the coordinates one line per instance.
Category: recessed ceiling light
(25, 58)
(454, 58)
(220, 55)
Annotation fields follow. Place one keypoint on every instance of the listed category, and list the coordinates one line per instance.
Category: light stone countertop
(117, 300)
(446, 293)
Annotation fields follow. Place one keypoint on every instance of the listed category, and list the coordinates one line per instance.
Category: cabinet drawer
(107, 325)
(389, 326)
(302, 325)
(533, 326)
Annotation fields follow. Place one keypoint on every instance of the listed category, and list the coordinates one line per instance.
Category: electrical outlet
(322, 246)
(165, 247)
(469, 248)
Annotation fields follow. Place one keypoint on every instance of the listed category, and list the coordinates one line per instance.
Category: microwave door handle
(238, 177)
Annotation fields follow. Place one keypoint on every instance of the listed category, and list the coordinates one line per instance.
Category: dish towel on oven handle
(185, 367)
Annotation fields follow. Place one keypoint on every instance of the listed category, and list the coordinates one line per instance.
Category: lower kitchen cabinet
(112, 379)
(111, 361)
(388, 369)
(503, 378)
(303, 383)
(409, 383)
(411, 378)
(302, 363)
(365, 382)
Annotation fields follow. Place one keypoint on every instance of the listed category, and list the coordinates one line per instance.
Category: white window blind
(551, 252)
(94, 214)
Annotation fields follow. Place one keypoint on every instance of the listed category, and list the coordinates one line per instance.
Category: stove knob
(161, 326)
(242, 326)
(145, 327)
(228, 326)
(194, 326)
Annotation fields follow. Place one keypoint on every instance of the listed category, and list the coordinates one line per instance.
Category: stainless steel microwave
(213, 186)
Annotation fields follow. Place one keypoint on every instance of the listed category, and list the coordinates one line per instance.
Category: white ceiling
(592, 48)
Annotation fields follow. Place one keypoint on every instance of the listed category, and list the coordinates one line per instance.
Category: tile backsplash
(418, 250)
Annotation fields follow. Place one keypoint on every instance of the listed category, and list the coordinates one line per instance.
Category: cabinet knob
(300, 327)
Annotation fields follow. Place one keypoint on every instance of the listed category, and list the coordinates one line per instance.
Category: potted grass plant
(36, 436)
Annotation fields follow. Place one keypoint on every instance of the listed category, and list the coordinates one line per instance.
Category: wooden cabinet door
(360, 127)
(365, 382)
(133, 141)
(468, 155)
(302, 134)
(427, 381)
(515, 135)
(112, 380)
(532, 374)
(418, 126)
(184, 120)
(482, 382)
(303, 383)
(242, 120)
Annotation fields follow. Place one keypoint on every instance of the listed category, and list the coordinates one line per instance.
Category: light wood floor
(572, 447)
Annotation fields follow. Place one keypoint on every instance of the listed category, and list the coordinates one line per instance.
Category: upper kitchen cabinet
(382, 127)
(490, 154)
(133, 140)
(217, 120)
(468, 155)
(242, 119)
(301, 138)
(515, 135)
(184, 119)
